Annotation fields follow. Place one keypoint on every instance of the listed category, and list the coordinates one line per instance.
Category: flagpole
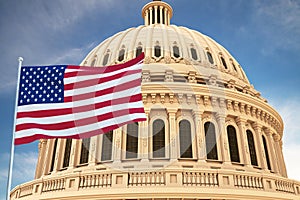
(12, 150)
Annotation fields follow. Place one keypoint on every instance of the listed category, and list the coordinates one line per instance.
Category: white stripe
(89, 77)
(51, 106)
(82, 115)
(81, 129)
(102, 86)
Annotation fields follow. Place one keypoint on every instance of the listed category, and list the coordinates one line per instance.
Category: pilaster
(259, 146)
(241, 122)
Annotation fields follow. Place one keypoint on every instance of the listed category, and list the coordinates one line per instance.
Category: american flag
(64, 101)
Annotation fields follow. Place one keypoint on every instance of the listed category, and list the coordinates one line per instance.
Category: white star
(56, 86)
(28, 100)
(59, 98)
(55, 78)
(46, 68)
(37, 84)
(29, 92)
(30, 84)
(25, 96)
(23, 85)
(51, 99)
(42, 72)
(41, 88)
(49, 71)
(45, 84)
(34, 73)
(32, 96)
(26, 89)
(48, 87)
(48, 95)
(33, 88)
(24, 69)
(21, 101)
(44, 92)
(52, 91)
(41, 80)
(37, 76)
(22, 93)
(27, 73)
(38, 68)
(35, 99)
(30, 69)
(26, 81)
(33, 80)
(48, 79)
(55, 95)
(40, 95)
(43, 99)
(37, 92)
(23, 77)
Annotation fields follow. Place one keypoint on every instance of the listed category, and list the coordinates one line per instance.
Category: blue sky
(264, 36)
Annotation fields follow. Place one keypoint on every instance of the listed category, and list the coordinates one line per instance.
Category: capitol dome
(208, 135)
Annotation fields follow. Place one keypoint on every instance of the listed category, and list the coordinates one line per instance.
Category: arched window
(224, 63)
(157, 51)
(138, 51)
(234, 67)
(266, 152)
(194, 54)
(93, 63)
(85, 147)
(233, 144)
(210, 58)
(251, 148)
(67, 153)
(105, 59)
(53, 155)
(158, 139)
(210, 141)
(107, 146)
(176, 52)
(186, 150)
(132, 140)
(121, 55)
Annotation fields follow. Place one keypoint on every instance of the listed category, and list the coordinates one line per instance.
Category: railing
(284, 186)
(245, 181)
(41, 188)
(95, 180)
(200, 178)
(146, 178)
(26, 190)
(54, 185)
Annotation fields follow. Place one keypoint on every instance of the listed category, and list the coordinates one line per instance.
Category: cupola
(157, 12)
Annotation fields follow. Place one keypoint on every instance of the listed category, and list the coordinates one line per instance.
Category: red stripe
(65, 111)
(107, 69)
(80, 122)
(92, 82)
(25, 140)
(91, 95)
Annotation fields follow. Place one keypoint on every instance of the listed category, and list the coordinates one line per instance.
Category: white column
(116, 145)
(161, 14)
(143, 141)
(147, 17)
(165, 13)
(92, 151)
(260, 153)
(151, 17)
(41, 158)
(244, 147)
(155, 14)
(272, 152)
(173, 134)
(223, 138)
(58, 155)
(75, 153)
(200, 136)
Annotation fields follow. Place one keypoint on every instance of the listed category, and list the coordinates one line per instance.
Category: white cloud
(289, 109)
(24, 167)
(278, 21)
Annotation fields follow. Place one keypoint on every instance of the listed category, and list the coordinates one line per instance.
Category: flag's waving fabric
(64, 101)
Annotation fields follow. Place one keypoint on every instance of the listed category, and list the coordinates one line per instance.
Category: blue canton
(43, 84)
